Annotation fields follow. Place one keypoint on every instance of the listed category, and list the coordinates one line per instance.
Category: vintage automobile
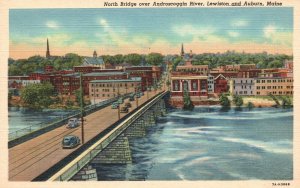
(72, 123)
(115, 105)
(124, 109)
(70, 141)
(128, 105)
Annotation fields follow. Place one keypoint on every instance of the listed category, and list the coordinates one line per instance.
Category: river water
(20, 118)
(209, 144)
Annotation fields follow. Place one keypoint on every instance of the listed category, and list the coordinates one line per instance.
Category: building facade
(220, 84)
(274, 85)
(242, 86)
(193, 83)
(100, 90)
(210, 84)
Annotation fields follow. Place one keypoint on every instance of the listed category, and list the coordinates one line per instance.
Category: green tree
(238, 100)
(118, 59)
(224, 101)
(78, 97)
(176, 61)
(275, 64)
(37, 95)
(154, 59)
(187, 102)
(250, 105)
(133, 59)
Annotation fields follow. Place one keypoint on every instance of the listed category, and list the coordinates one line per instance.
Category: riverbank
(257, 101)
(68, 104)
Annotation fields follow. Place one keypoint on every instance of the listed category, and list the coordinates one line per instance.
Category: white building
(242, 86)
(210, 84)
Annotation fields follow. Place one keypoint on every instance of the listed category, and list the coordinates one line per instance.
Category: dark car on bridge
(128, 105)
(70, 141)
(124, 109)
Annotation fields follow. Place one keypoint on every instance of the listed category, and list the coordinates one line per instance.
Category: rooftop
(104, 73)
(110, 81)
(93, 61)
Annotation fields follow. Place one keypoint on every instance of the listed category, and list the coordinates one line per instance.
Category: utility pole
(136, 99)
(119, 115)
(81, 109)
(94, 94)
(147, 89)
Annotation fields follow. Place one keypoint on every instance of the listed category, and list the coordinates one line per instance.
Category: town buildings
(100, 90)
(242, 86)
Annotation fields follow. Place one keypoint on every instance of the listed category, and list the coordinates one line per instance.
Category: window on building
(195, 86)
(258, 93)
(257, 81)
(245, 92)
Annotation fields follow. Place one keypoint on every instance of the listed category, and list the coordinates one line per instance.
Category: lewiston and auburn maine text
(191, 3)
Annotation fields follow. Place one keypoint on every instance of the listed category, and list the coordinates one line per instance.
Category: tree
(118, 59)
(78, 97)
(250, 105)
(238, 100)
(133, 59)
(275, 64)
(176, 61)
(154, 59)
(286, 102)
(224, 101)
(187, 103)
(37, 95)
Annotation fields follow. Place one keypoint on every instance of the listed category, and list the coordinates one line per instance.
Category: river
(20, 118)
(209, 144)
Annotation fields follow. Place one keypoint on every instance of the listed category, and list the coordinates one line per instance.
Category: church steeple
(95, 54)
(48, 51)
(182, 50)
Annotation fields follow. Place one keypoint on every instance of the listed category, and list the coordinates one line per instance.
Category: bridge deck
(31, 158)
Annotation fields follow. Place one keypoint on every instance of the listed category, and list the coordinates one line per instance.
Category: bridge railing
(78, 163)
(62, 120)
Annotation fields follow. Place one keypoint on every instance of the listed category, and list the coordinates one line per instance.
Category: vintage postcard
(161, 93)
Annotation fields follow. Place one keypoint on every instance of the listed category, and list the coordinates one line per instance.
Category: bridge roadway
(33, 157)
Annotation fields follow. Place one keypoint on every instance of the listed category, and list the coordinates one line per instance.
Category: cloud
(103, 22)
(233, 34)
(52, 24)
(239, 23)
(277, 35)
(190, 30)
(269, 31)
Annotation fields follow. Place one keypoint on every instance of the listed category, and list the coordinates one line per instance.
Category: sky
(163, 30)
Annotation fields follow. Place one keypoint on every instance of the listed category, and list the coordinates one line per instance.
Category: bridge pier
(86, 174)
(117, 152)
(137, 129)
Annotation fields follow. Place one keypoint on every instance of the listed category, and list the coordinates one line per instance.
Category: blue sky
(113, 31)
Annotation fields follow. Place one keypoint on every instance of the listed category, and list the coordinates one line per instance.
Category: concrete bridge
(106, 141)
(114, 148)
